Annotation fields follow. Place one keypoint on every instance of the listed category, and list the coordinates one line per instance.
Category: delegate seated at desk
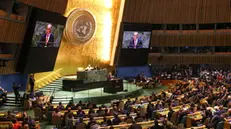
(47, 39)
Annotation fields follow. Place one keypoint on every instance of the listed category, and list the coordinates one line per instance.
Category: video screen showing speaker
(136, 39)
(41, 41)
(47, 34)
(133, 44)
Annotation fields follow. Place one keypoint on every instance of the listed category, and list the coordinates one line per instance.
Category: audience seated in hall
(202, 102)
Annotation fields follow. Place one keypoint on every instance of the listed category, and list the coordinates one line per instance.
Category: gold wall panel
(98, 50)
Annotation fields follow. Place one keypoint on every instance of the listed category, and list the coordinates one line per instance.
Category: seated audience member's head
(60, 103)
(229, 111)
(116, 116)
(91, 118)
(79, 108)
(70, 116)
(156, 122)
(69, 109)
(81, 120)
(104, 118)
(111, 127)
(56, 110)
(14, 121)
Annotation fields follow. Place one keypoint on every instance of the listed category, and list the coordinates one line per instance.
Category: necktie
(135, 43)
(47, 38)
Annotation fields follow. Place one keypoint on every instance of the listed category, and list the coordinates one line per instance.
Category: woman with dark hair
(106, 122)
(80, 124)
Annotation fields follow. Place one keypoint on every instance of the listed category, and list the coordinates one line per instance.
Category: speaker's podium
(44, 44)
(114, 86)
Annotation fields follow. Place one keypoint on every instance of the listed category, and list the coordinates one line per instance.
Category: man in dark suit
(16, 92)
(170, 113)
(135, 41)
(47, 39)
(135, 126)
(156, 125)
(32, 82)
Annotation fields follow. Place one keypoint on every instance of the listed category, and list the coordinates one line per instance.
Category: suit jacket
(135, 126)
(31, 81)
(157, 127)
(43, 40)
(138, 45)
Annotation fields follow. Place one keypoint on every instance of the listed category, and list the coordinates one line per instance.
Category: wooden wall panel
(9, 69)
(58, 6)
(11, 32)
(3, 26)
(177, 11)
(196, 39)
(189, 59)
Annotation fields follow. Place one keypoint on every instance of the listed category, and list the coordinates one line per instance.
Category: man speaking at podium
(135, 41)
(47, 39)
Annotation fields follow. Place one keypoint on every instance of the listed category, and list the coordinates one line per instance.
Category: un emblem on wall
(80, 26)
